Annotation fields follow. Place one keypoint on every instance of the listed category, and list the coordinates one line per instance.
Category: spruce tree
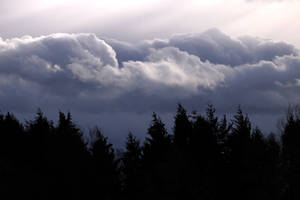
(182, 128)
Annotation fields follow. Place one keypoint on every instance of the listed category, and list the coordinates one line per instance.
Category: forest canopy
(203, 157)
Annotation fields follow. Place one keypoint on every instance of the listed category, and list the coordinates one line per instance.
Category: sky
(135, 20)
(112, 63)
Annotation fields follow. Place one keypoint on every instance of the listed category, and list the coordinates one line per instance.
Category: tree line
(205, 157)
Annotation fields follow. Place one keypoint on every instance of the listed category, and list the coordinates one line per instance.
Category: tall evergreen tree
(291, 152)
(274, 184)
(204, 156)
(104, 174)
(39, 131)
(182, 128)
(155, 162)
(12, 137)
(239, 142)
(159, 141)
(132, 158)
(240, 136)
(67, 159)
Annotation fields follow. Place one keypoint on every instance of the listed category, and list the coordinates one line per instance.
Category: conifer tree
(104, 174)
(159, 141)
(240, 136)
(39, 131)
(131, 159)
(239, 143)
(67, 159)
(291, 152)
(182, 128)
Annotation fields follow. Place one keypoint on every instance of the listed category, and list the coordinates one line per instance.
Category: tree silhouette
(39, 130)
(240, 138)
(132, 163)
(159, 141)
(12, 133)
(155, 162)
(182, 128)
(104, 175)
(12, 157)
(206, 158)
(239, 143)
(204, 155)
(66, 159)
(291, 152)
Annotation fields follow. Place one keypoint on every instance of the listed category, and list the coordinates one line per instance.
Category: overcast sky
(136, 20)
(114, 62)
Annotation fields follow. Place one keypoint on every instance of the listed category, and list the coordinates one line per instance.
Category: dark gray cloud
(212, 45)
(106, 80)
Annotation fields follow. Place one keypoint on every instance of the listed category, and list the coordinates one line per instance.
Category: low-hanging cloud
(90, 76)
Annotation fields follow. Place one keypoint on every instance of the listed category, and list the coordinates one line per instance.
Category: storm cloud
(93, 76)
(212, 46)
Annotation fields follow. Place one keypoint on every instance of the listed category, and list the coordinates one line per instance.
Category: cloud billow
(89, 75)
(212, 46)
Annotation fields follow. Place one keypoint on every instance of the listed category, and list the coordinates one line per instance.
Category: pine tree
(39, 131)
(291, 152)
(104, 174)
(159, 141)
(132, 158)
(204, 157)
(155, 160)
(12, 138)
(240, 136)
(67, 159)
(182, 128)
(239, 143)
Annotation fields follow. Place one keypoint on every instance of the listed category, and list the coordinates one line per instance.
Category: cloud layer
(93, 76)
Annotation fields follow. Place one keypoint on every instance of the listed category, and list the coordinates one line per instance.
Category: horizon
(123, 60)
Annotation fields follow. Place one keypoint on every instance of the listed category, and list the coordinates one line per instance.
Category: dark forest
(204, 157)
